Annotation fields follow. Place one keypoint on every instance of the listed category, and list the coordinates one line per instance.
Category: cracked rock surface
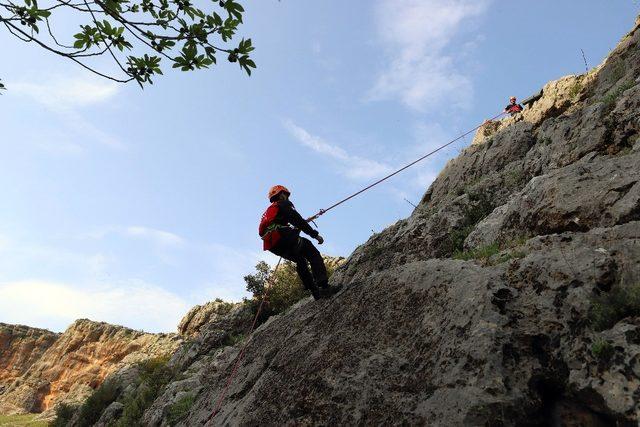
(428, 330)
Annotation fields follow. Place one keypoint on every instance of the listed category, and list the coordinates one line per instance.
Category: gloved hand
(320, 239)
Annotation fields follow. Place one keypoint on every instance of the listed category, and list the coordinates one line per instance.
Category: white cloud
(67, 94)
(159, 237)
(134, 304)
(164, 244)
(66, 97)
(18, 256)
(355, 167)
(416, 33)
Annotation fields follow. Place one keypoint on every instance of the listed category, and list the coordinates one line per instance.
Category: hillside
(510, 296)
(40, 369)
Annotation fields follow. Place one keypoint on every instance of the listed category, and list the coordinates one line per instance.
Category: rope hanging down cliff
(240, 356)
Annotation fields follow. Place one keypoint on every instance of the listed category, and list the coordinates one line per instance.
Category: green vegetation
(612, 96)
(575, 89)
(602, 350)
(609, 308)
(466, 188)
(136, 35)
(457, 238)
(21, 420)
(374, 251)
(625, 151)
(102, 397)
(180, 409)
(473, 214)
(285, 287)
(154, 376)
(617, 72)
(224, 307)
(234, 339)
(64, 414)
(514, 177)
(484, 253)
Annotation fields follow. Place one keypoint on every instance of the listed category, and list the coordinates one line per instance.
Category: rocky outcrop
(20, 347)
(200, 315)
(73, 363)
(542, 216)
(437, 342)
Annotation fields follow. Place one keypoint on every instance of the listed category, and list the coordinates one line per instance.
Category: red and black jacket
(281, 223)
(513, 108)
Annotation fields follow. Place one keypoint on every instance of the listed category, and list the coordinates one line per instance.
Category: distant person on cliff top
(513, 108)
(280, 229)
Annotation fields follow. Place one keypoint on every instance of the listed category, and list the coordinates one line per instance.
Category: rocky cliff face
(39, 369)
(511, 296)
(20, 347)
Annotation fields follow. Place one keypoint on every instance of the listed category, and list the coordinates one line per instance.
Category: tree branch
(64, 54)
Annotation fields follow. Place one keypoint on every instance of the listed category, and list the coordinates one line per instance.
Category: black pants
(301, 251)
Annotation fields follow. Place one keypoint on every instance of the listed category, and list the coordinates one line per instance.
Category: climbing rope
(324, 211)
(240, 356)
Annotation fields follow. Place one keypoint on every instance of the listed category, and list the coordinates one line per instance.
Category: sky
(131, 206)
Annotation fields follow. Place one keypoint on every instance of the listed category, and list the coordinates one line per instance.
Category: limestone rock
(77, 362)
(202, 314)
(20, 347)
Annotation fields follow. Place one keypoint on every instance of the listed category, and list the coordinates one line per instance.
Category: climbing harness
(324, 211)
(321, 212)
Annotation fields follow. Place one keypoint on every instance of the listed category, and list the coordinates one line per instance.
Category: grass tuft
(602, 350)
(21, 420)
(610, 99)
(609, 308)
(179, 410)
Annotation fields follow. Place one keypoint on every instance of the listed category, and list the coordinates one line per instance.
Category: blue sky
(131, 206)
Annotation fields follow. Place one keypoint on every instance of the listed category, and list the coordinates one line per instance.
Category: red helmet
(513, 98)
(277, 189)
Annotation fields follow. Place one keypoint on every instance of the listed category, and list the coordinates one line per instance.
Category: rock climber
(513, 108)
(280, 229)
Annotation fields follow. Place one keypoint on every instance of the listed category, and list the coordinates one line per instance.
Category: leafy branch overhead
(139, 36)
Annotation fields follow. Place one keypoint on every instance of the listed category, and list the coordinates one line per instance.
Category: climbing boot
(328, 292)
(315, 292)
(323, 284)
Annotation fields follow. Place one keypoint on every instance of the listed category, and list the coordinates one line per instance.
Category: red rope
(244, 347)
